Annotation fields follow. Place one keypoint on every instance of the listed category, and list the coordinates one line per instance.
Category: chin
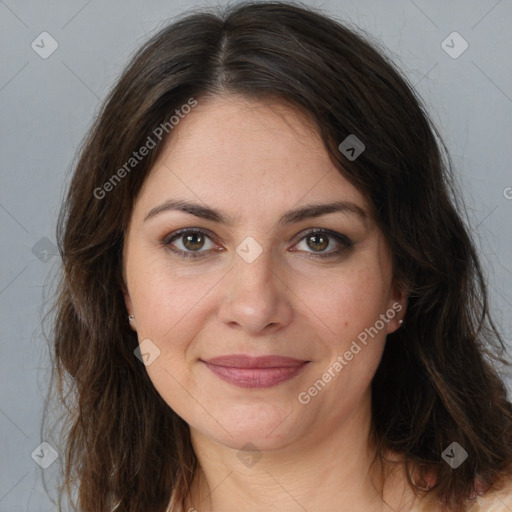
(253, 436)
(265, 426)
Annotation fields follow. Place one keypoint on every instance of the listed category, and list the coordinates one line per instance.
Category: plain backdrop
(47, 105)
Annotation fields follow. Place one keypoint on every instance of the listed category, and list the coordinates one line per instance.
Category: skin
(255, 161)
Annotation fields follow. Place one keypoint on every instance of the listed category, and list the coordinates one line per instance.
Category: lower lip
(256, 377)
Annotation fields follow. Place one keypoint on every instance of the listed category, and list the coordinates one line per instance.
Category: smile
(255, 372)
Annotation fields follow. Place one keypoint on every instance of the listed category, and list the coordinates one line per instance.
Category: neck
(331, 471)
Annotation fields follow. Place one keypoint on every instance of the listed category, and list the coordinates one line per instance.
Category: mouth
(255, 372)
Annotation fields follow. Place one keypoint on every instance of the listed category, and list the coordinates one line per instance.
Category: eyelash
(341, 239)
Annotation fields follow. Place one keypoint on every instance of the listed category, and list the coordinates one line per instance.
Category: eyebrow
(290, 217)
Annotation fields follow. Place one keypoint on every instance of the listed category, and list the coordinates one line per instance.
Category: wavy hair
(438, 382)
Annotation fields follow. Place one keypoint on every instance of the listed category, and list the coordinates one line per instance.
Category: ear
(126, 294)
(397, 308)
(129, 305)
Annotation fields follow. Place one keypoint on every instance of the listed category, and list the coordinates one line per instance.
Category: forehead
(237, 132)
(246, 153)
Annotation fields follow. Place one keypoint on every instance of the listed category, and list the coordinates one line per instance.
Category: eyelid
(166, 242)
(324, 231)
(342, 239)
(175, 234)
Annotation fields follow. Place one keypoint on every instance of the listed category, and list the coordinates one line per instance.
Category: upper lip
(246, 361)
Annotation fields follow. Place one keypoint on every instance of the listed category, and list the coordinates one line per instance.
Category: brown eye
(189, 243)
(317, 241)
(193, 241)
(197, 243)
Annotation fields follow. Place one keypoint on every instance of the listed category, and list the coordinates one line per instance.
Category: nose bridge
(255, 296)
(253, 267)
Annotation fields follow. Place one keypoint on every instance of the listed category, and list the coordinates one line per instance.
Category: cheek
(166, 299)
(352, 306)
(346, 303)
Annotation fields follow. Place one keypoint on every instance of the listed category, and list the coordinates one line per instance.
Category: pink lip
(255, 372)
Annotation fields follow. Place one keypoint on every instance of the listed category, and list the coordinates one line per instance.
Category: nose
(255, 296)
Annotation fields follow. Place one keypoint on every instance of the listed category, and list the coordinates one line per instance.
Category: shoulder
(498, 500)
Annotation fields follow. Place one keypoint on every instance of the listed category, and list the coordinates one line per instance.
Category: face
(252, 271)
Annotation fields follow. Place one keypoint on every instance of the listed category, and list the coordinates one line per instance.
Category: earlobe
(131, 319)
(397, 310)
(129, 308)
(395, 322)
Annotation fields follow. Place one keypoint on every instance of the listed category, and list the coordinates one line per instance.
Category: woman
(269, 300)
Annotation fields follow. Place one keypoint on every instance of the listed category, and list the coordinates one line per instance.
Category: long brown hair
(437, 382)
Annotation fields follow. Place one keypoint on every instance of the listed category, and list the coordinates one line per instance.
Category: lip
(255, 372)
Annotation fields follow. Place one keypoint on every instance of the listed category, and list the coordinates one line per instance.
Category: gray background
(48, 104)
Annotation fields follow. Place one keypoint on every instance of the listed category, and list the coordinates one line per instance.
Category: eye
(190, 242)
(197, 243)
(320, 239)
